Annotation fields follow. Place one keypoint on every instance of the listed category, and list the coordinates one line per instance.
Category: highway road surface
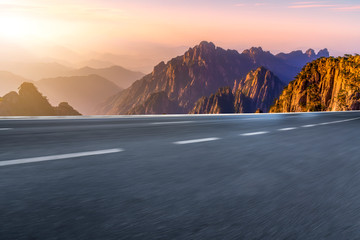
(266, 176)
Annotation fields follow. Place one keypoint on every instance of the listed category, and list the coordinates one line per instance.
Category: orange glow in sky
(119, 25)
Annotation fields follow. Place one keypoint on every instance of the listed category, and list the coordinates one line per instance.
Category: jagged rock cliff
(220, 102)
(30, 102)
(256, 92)
(261, 87)
(327, 84)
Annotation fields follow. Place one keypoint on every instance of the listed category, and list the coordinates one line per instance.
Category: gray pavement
(268, 176)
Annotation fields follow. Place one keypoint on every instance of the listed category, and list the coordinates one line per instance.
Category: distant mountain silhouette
(256, 92)
(278, 66)
(299, 59)
(10, 82)
(30, 102)
(118, 75)
(143, 58)
(82, 92)
(95, 63)
(35, 70)
(201, 71)
(326, 84)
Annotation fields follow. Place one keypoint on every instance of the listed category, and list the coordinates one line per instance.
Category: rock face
(30, 102)
(254, 93)
(327, 84)
(201, 71)
(220, 102)
(260, 87)
(157, 103)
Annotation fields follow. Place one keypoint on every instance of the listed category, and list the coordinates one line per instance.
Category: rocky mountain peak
(310, 53)
(203, 51)
(28, 89)
(323, 53)
(207, 46)
(201, 55)
(254, 51)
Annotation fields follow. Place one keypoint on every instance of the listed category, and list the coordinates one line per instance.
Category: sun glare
(16, 26)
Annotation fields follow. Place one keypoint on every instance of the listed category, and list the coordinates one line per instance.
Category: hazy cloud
(250, 5)
(299, 3)
(325, 4)
(349, 8)
(4, 7)
(312, 6)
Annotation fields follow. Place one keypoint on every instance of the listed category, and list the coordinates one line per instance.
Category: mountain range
(200, 72)
(83, 88)
(34, 71)
(122, 77)
(205, 79)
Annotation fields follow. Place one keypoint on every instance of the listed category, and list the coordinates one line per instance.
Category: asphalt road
(281, 176)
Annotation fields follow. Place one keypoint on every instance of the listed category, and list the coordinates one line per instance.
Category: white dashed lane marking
(197, 141)
(58, 157)
(253, 133)
(169, 123)
(328, 123)
(308, 126)
(5, 129)
(288, 129)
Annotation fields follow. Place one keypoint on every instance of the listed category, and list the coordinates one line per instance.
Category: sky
(129, 27)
